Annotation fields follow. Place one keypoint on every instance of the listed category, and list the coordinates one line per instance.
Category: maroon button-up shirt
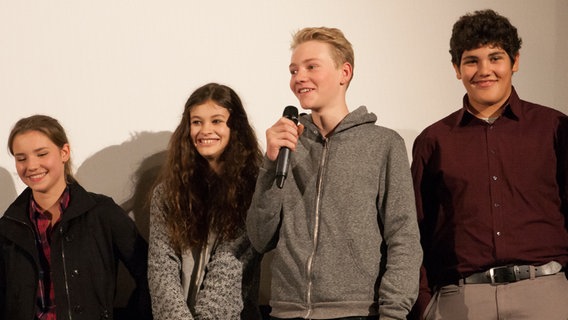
(44, 228)
(491, 194)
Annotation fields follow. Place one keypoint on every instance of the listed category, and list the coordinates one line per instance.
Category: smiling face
(209, 131)
(39, 162)
(486, 73)
(316, 80)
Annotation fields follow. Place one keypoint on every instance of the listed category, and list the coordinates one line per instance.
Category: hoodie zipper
(319, 187)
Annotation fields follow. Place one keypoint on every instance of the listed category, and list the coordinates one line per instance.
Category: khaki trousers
(535, 299)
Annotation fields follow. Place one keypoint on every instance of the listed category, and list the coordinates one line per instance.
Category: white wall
(117, 73)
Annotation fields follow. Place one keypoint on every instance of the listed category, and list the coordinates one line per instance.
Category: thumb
(300, 129)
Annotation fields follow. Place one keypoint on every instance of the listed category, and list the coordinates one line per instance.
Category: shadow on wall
(144, 179)
(127, 172)
(7, 190)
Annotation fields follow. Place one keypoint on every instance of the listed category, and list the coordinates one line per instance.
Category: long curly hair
(196, 200)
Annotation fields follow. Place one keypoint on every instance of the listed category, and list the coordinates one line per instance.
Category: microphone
(283, 163)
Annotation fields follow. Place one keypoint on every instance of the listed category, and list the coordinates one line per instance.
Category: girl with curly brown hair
(201, 263)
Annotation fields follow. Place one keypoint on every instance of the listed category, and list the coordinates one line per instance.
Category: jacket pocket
(345, 271)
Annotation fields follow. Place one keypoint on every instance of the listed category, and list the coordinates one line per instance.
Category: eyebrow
(212, 116)
(33, 151)
(303, 61)
(496, 53)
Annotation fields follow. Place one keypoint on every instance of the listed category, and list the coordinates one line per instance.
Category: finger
(300, 129)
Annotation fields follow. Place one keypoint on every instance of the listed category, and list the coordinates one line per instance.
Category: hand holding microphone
(283, 160)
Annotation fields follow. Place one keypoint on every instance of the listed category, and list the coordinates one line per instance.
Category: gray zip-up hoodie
(343, 226)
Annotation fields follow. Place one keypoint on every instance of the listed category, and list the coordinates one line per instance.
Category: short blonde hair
(342, 50)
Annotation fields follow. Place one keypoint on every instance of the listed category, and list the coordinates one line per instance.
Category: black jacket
(93, 234)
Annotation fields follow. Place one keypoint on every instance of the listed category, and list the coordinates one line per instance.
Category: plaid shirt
(41, 220)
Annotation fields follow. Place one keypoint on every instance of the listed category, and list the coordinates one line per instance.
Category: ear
(515, 67)
(458, 72)
(346, 73)
(65, 152)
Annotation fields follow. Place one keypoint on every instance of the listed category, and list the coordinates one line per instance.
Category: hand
(284, 133)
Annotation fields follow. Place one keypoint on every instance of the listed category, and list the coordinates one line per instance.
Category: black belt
(507, 274)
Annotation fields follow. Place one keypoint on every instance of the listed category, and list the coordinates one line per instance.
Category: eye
(195, 122)
(293, 71)
(20, 159)
(42, 154)
(311, 67)
(496, 58)
(217, 121)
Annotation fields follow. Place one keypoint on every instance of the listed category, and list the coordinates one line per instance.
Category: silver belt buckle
(515, 270)
(517, 273)
(492, 274)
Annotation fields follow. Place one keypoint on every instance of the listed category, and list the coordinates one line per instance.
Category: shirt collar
(511, 110)
(63, 203)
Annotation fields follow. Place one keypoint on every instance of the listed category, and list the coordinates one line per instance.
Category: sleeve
(562, 165)
(132, 250)
(263, 217)
(2, 284)
(425, 198)
(399, 284)
(221, 296)
(164, 269)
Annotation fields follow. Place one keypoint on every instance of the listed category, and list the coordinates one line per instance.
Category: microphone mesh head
(291, 113)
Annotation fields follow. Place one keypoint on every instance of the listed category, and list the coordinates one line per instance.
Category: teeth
(37, 176)
(304, 90)
(208, 141)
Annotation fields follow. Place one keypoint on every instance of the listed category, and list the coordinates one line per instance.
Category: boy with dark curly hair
(491, 189)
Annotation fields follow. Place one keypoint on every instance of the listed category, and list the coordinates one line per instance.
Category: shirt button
(75, 273)
(496, 205)
(494, 178)
(498, 233)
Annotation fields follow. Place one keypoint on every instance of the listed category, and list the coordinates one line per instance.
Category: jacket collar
(355, 118)
(80, 202)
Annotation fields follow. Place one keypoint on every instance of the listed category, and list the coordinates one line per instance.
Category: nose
(206, 126)
(32, 163)
(484, 68)
(297, 78)
(300, 75)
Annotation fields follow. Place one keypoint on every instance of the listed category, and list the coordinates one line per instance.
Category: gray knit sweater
(230, 282)
(343, 227)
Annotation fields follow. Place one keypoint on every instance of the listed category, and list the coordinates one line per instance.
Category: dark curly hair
(485, 27)
(197, 200)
